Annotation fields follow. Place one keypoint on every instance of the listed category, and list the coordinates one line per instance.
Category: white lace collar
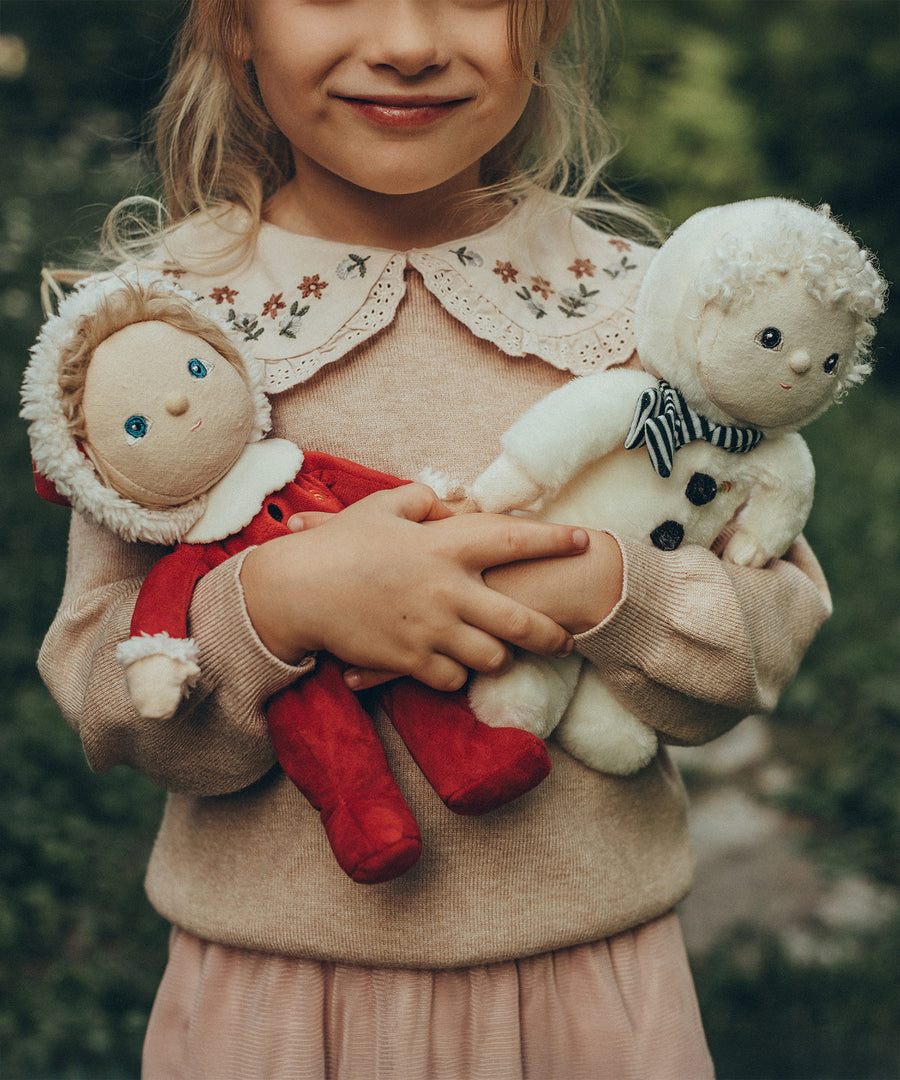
(538, 283)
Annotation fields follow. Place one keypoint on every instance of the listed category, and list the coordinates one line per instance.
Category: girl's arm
(418, 602)
(217, 740)
(694, 643)
(394, 583)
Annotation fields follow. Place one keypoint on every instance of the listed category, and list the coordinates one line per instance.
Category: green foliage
(82, 950)
(720, 100)
(769, 1018)
(840, 720)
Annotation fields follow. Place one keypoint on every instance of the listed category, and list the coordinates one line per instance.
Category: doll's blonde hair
(126, 306)
(215, 143)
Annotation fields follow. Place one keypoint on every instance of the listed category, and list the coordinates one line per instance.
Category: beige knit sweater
(694, 645)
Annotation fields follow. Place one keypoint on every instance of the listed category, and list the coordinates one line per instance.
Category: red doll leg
(326, 743)
(473, 768)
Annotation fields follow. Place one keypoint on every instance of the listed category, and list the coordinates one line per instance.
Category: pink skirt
(617, 1009)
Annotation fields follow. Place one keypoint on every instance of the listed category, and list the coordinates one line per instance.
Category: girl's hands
(393, 584)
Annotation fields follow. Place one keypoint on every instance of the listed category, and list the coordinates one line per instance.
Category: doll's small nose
(799, 361)
(177, 404)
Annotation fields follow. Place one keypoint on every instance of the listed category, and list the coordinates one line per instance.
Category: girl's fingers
(366, 678)
(415, 502)
(506, 621)
(496, 539)
(302, 522)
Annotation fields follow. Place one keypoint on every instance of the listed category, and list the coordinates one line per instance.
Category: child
(345, 183)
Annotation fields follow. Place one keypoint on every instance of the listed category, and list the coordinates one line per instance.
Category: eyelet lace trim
(377, 312)
(596, 347)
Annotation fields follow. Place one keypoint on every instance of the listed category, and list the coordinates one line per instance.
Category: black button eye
(831, 363)
(275, 511)
(770, 338)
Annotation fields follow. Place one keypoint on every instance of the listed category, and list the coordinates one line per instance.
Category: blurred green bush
(720, 100)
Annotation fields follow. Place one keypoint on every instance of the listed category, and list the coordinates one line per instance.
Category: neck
(318, 203)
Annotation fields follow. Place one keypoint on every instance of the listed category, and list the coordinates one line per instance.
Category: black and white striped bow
(664, 421)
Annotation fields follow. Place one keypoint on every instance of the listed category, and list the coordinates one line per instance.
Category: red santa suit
(324, 740)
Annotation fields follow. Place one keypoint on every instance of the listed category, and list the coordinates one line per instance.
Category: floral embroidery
(542, 286)
(290, 323)
(466, 257)
(583, 267)
(223, 295)
(171, 269)
(353, 266)
(507, 272)
(246, 324)
(619, 244)
(313, 286)
(273, 305)
(536, 309)
(621, 267)
(576, 303)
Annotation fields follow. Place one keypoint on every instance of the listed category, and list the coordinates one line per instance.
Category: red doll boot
(326, 743)
(472, 767)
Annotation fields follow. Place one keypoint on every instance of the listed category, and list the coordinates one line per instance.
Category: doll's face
(773, 360)
(166, 415)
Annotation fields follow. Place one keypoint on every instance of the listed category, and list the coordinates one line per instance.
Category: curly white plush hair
(722, 254)
(834, 268)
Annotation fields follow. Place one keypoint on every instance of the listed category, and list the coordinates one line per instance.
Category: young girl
(365, 189)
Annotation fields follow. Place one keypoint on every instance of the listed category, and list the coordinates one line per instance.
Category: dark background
(721, 100)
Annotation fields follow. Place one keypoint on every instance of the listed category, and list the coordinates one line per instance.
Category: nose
(409, 38)
(177, 404)
(799, 361)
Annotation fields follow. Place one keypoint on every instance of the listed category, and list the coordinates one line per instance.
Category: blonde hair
(126, 306)
(216, 144)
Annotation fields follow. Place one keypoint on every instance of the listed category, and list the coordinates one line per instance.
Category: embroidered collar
(540, 282)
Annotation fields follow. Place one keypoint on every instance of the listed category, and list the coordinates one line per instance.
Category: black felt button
(667, 536)
(701, 489)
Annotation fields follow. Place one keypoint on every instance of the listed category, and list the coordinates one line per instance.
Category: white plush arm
(779, 503)
(553, 441)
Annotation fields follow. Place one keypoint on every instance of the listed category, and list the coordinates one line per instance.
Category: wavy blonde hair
(216, 144)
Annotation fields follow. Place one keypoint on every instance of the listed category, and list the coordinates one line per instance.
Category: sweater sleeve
(217, 742)
(697, 643)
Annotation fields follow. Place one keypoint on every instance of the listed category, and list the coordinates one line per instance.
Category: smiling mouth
(404, 112)
(785, 386)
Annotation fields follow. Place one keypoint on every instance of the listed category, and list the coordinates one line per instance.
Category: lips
(403, 112)
(197, 425)
(785, 386)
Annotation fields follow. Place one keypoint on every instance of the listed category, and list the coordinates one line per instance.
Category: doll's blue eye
(136, 427)
(831, 363)
(770, 338)
(198, 369)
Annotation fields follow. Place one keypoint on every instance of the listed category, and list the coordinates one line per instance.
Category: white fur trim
(262, 468)
(56, 453)
(135, 648)
(441, 483)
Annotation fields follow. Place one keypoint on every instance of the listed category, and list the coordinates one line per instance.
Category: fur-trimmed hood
(57, 454)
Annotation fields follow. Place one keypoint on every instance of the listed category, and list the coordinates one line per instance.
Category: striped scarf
(664, 421)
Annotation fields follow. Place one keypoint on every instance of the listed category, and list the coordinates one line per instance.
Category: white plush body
(579, 431)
